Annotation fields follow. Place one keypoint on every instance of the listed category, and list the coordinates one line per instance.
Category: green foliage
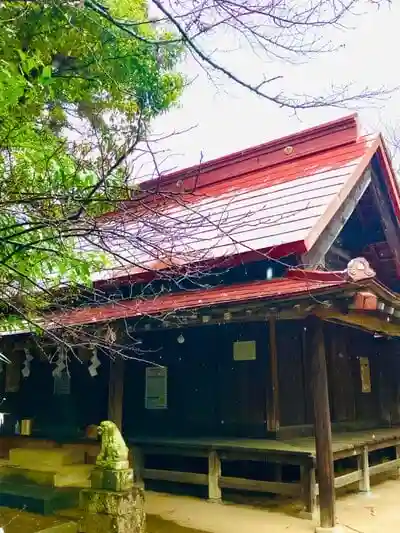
(63, 65)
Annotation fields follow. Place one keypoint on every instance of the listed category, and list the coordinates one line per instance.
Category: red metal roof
(277, 289)
(270, 200)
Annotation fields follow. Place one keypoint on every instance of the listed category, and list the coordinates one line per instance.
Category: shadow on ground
(155, 524)
(15, 521)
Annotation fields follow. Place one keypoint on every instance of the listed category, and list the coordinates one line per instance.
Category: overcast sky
(224, 118)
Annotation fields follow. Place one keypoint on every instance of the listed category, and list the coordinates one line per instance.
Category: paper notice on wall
(156, 388)
(365, 373)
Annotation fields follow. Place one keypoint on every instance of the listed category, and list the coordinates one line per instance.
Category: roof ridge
(291, 147)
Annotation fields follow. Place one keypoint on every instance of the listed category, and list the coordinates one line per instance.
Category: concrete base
(334, 529)
(306, 515)
(214, 500)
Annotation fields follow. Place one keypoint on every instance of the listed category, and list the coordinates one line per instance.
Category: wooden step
(37, 498)
(64, 476)
(38, 457)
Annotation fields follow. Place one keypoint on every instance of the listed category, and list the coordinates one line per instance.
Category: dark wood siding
(340, 374)
(291, 372)
(208, 392)
(349, 404)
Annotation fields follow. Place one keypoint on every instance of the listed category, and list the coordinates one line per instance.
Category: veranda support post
(116, 391)
(322, 425)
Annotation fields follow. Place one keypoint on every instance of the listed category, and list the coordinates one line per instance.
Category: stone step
(37, 498)
(75, 514)
(65, 527)
(74, 476)
(64, 476)
(37, 457)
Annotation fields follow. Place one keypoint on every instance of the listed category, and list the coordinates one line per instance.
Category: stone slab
(130, 523)
(114, 480)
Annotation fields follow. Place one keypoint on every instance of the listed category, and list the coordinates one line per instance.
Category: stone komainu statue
(113, 452)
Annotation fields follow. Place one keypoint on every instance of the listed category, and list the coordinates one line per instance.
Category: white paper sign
(156, 388)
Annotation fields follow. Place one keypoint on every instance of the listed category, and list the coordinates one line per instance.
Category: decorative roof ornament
(288, 150)
(359, 269)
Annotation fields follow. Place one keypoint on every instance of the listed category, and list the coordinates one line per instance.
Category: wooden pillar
(397, 471)
(138, 465)
(116, 391)
(322, 423)
(214, 475)
(363, 465)
(308, 491)
(273, 383)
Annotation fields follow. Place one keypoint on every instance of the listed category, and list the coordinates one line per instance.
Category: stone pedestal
(113, 512)
(112, 504)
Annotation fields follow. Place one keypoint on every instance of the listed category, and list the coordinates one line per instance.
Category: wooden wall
(348, 401)
(294, 396)
(70, 413)
(350, 406)
(209, 393)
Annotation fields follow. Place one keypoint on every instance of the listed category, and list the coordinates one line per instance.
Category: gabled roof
(271, 200)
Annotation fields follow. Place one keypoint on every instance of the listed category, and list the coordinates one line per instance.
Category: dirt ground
(378, 512)
(13, 521)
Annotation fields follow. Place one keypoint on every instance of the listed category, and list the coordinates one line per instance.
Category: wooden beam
(318, 250)
(257, 315)
(390, 229)
(343, 254)
(116, 391)
(188, 478)
(255, 485)
(322, 423)
(273, 382)
(348, 479)
(364, 321)
(382, 468)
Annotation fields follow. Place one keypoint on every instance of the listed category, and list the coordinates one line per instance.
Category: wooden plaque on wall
(244, 351)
